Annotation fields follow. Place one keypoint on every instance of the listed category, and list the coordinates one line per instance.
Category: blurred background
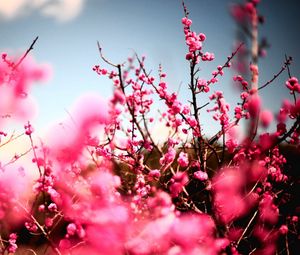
(69, 29)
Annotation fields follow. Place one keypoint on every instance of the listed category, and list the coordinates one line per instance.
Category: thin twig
(247, 227)
(290, 76)
(11, 138)
(287, 244)
(102, 56)
(52, 244)
(16, 157)
(25, 54)
(226, 64)
(201, 107)
(284, 67)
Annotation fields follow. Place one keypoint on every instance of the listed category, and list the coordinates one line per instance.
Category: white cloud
(61, 10)
(11, 8)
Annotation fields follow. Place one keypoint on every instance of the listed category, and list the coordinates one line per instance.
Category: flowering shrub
(106, 186)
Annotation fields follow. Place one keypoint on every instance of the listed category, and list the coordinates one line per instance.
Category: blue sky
(69, 29)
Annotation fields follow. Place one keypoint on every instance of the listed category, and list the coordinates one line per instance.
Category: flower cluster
(106, 183)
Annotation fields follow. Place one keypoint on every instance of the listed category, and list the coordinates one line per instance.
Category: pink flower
(183, 159)
(202, 85)
(176, 107)
(202, 37)
(231, 145)
(48, 222)
(118, 97)
(188, 229)
(192, 121)
(187, 22)
(71, 229)
(228, 197)
(186, 110)
(266, 117)
(194, 43)
(169, 157)
(178, 181)
(52, 207)
(207, 56)
(28, 129)
(281, 129)
(254, 105)
(12, 243)
(154, 174)
(200, 175)
(293, 85)
(268, 211)
(283, 229)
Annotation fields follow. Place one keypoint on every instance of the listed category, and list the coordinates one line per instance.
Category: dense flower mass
(104, 184)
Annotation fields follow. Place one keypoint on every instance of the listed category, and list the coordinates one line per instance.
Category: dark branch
(25, 54)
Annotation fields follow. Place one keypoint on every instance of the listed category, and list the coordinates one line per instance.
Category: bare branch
(103, 58)
(25, 54)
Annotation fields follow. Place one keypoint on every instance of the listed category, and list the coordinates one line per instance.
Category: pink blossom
(161, 204)
(169, 157)
(52, 207)
(118, 97)
(48, 222)
(41, 208)
(192, 121)
(188, 230)
(153, 236)
(202, 37)
(293, 85)
(266, 117)
(231, 145)
(281, 129)
(202, 85)
(207, 56)
(187, 22)
(228, 184)
(28, 129)
(101, 175)
(71, 229)
(154, 174)
(88, 113)
(12, 243)
(254, 105)
(183, 159)
(186, 110)
(283, 229)
(200, 175)
(178, 181)
(268, 211)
